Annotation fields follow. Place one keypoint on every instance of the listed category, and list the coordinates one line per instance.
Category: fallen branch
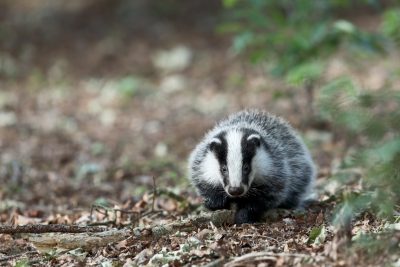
(265, 256)
(86, 241)
(48, 228)
(92, 240)
(15, 256)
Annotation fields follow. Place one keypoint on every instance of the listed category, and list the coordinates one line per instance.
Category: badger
(253, 161)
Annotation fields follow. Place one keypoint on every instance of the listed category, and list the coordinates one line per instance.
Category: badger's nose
(235, 191)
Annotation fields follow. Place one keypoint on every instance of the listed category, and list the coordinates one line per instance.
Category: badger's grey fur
(254, 160)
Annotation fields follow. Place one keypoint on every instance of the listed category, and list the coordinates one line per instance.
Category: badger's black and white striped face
(232, 158)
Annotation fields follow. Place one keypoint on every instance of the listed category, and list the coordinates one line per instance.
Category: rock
(176, 59)
(173, 83)
(7, 119)
(161, 150)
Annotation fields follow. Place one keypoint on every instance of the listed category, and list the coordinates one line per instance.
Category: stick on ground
(86, 241)
(71, 236)
(15, 256)
(263, 256)
(50, 228)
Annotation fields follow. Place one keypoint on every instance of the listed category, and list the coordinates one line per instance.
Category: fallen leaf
(317, 235)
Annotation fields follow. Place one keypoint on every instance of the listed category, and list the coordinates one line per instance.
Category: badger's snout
(234, 191)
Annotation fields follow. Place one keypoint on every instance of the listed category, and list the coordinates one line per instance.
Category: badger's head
(234, 158)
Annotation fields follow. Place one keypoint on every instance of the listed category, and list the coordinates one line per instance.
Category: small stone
(161, 150)
(7, 119)
(173, 83)
(175, 59)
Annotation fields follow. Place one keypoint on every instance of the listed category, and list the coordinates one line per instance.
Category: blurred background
(97, 97)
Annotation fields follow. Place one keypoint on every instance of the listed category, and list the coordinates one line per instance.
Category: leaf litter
(107, 152)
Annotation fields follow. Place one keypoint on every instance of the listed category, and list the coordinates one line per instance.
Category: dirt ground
(95, 115)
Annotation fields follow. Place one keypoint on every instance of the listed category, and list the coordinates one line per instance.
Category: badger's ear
(254, 139)
(215, 142)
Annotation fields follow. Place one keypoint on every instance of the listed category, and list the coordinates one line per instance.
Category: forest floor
(93, 123)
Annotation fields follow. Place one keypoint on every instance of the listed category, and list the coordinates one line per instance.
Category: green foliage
(78, 254)
(87, 169)
(317, 235)
(341, 95)
(368, 115)
(296, 38)
(304, 73)
(352, 203)
(102, 202)
(128, 86)
(377, 243)
(22, 263)
(391, 24)
(290, 34)
(229, 3)
(383, 176)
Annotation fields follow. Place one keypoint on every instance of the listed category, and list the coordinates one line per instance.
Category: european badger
(255, 161)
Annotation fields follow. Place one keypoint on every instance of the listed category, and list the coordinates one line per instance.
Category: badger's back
(290, 161)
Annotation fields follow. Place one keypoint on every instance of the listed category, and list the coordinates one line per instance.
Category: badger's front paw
(242, 216)
(247, 215)
(217, 203)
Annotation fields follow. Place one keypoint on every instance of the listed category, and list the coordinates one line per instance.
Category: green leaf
(307, 72)
(102, 202)
(22, 263)
(229, 3)
(242, 41)
(352, 204)
(128, 86)
(386, 152)
(353, 119)
(341, 85)
(344, 26)
(391, 23)
(317, 235)
(232, 27)
(78, 253)
(87, 169)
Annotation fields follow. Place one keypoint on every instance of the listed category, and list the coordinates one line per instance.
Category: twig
(172, 195)
(250, 258)
(99, 209)
(86, 241)
(265, 255)
(127, 211)
(310, 99)
(177, 197)
(106, 210)
(50, 228)
(218, 218)
(149, 212)
(216, 263)
(92, 240)
(263, 236)
(153, 204)
(106, 223)
(7, 258)
(16, 172)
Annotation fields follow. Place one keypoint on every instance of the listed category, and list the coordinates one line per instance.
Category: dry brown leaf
(22, 220)
(204, 233)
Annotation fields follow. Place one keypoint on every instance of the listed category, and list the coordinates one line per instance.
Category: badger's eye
(246, 168)
(224, 169)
